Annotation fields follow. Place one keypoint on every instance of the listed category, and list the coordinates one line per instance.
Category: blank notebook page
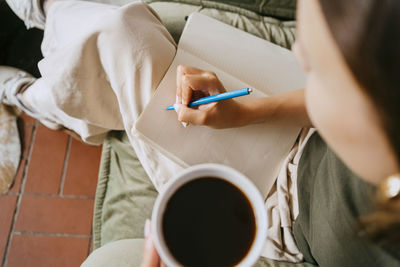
(239, 60)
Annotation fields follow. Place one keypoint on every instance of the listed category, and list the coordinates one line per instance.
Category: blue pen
(218, 97)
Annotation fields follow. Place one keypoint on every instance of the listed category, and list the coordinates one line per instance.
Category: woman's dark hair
(368, 35)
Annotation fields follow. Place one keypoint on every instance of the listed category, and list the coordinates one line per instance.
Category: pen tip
(250, 90)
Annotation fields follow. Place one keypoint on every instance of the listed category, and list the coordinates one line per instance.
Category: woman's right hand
(192, 84)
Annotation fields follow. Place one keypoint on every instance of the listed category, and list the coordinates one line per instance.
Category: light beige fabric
(101, 66)
(10, 147)
(128, 253)
(121, 253)
(30, 11)
(282, 207)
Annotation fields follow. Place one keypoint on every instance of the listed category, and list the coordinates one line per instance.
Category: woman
(349, 50)
(350, 98)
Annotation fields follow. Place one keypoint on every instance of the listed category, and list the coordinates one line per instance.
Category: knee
(126, 252)
(133, 34)
(135, 24)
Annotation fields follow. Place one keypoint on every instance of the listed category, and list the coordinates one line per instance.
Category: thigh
(104, 69)
(68, 20)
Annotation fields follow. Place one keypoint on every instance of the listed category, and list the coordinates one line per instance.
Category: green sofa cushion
(125, 197)
(125, 194)
(279, 32)
(283, 9)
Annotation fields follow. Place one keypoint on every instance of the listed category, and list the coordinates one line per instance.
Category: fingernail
(147, 234)
(147, 228)
(177, 100)
(176, 107)
(149, 242)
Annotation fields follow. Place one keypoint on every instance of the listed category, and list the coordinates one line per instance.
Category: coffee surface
(209, 222)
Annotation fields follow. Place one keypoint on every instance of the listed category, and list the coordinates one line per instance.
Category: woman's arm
(288, 108)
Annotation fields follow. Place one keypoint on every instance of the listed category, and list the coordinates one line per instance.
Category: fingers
(150, 255)
(198, 85)
(180, 72)
(191, 79)
(187, 90)
(189, 115)
(193, 83)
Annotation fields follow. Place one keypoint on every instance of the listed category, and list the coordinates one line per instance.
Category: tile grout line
(51, 234)
(33, 127)
(13, 193)
(19, 196)
(64, 171)
(58, 196)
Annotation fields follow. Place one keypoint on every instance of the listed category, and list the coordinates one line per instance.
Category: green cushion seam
(286, 13)
(101, 190)
(224, 7)
(233, 9)
(279, 12)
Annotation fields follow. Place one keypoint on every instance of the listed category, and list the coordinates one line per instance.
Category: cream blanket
(10, 147)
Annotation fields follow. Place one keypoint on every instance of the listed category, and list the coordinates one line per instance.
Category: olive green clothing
(331, 200)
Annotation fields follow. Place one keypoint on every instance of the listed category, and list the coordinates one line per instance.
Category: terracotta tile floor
(46, 217)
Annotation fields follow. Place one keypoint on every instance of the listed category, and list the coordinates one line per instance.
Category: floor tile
(55, 215)
(47, 161)
(26, 139)
(82, 169)
(28, 120)
(7, 207)
(35, 251)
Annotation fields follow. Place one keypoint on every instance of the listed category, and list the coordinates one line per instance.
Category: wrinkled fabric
(10, 147)
(285, 9)
(99, 75)
(124, 199)
(282, 206)
(101, 66)
(30, 11)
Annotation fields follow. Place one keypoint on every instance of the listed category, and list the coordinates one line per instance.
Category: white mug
(225, 173)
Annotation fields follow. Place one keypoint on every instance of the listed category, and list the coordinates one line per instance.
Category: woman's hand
(150, 255)
(192, 84)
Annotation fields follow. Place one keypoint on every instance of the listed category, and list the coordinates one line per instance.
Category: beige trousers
(101, 66)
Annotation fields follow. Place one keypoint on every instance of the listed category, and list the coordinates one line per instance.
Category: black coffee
(209, 222)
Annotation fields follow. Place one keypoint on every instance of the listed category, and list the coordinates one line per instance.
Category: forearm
(288, 108)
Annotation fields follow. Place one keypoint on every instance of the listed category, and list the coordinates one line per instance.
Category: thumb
(189, 115)
(150, 255)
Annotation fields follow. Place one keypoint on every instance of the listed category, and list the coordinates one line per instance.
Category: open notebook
(239, 60)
